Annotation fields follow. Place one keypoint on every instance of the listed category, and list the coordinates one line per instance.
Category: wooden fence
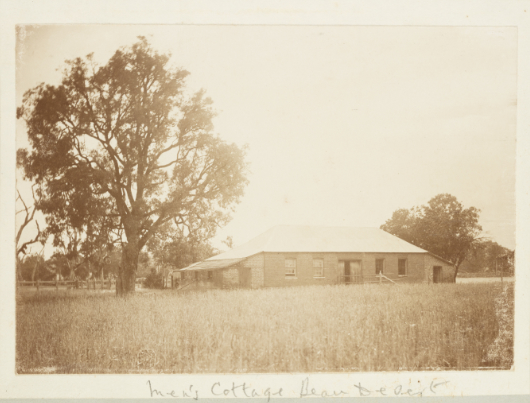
(360, 279)
(90, 284)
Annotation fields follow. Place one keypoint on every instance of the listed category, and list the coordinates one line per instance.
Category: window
(402, 267)
(290, 267)
(318, 267)
(210, 275)
(379, 265)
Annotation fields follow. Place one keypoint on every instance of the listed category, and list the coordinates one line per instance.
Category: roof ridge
(324, 226)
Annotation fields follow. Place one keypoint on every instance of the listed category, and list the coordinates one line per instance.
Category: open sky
(344, 124)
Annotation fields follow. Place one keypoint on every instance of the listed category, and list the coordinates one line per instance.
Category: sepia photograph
(230, 199)
(255, 200)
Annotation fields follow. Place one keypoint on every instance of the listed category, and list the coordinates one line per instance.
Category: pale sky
(344, 124)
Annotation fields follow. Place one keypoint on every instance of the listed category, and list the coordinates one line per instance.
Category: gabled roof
(294, 238)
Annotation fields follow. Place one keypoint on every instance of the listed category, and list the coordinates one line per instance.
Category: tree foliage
(137, 147)
(30, 267)
(176, 247)
(78, 224)
(443, 227)
(483, 256)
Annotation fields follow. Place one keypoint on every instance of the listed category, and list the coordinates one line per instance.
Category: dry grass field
(305, 329)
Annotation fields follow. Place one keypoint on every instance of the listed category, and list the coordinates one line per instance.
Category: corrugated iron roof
(441, 258)
(291, 238)
(212, 264)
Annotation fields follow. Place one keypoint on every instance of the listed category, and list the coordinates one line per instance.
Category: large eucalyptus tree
(129, 137)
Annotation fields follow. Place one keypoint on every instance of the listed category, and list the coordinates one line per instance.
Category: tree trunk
(19, 269)
(456, 273)
(34, 270)
(125, 284)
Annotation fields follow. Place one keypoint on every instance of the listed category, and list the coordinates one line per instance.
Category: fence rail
(352, 279)
(360, 279)
(70, 284)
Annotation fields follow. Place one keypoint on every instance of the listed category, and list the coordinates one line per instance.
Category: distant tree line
(488, 256)
(445, 228)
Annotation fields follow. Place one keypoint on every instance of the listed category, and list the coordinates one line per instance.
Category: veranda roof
(212, 264)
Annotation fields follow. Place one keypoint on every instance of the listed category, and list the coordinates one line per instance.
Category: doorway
(437, 274)
(351, 271)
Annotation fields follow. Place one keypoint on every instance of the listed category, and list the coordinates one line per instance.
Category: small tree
(29, 216)
(229, 241)
(28, 267)
(443, 227)
(129, 134)
(178, 246)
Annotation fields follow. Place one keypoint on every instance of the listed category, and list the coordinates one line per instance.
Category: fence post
(37, 285)
(56, 285)
(76, 283)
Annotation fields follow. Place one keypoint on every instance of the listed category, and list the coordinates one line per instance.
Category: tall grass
(500, 351)
(305, 329)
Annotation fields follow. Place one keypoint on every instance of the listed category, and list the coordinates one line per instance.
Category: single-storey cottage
(305, 255)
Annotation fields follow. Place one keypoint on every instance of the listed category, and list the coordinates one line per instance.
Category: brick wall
(255, 264)
(274, 272)
(268, 269)
(234, 276)
(448, 271)
(414, 265)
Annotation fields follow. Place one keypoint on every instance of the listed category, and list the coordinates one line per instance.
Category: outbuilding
(306, 255)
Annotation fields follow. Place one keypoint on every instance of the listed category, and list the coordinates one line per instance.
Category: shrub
(154, 280)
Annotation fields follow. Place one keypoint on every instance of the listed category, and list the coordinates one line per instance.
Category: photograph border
(377, 13)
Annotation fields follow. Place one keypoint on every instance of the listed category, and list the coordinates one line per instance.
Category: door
(437, 274)
(379, 266)
(351, 270)
(342, 271)
(355, 270)
(347, 272)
